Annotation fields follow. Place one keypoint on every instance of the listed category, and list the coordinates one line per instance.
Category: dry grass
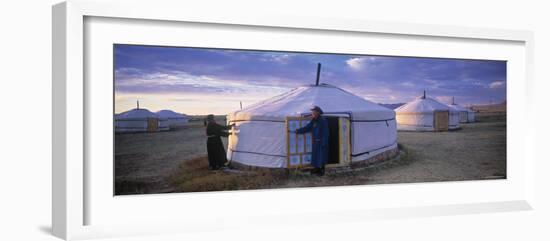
(194, 176)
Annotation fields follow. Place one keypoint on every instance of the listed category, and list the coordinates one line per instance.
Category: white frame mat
(83, 202)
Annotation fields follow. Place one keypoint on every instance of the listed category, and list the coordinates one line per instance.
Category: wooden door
(344, 140)
(298, 147)
(441, 120)
(152, 124)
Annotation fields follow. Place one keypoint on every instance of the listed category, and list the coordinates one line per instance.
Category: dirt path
(478, 151)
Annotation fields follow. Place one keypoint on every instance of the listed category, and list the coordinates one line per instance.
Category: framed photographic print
(175, 113)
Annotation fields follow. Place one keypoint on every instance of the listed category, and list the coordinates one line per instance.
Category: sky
(200, 81)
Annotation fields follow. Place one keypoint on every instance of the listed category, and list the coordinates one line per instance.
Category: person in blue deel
(318, 126)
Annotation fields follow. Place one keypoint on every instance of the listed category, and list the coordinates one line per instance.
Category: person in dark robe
(214, 145)
(318, 126)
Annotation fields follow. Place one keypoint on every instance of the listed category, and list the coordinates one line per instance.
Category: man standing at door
(318, 126)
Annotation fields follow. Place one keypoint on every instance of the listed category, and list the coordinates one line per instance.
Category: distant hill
(500, 107)
(392, 106)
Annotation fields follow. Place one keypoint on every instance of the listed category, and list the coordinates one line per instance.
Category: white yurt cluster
(260, 136)
(174, 119)
(426, 114)
(142, 120)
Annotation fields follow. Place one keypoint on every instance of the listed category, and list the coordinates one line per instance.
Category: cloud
(408, 84)
(179, 81)
(433, 84)
(431, 81)
(497, 84)
(359, 63)
(278, 58)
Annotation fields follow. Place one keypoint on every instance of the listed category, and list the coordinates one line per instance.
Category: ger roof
(170, 114)
(422, 105)
(298, 101)
(458, 107)
(136, 114)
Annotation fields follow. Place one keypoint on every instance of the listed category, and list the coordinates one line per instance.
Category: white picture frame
(72, 191)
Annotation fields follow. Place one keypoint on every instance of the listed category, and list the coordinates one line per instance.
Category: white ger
(426, 114)
(139, 120)
(174, 119)
(359, 130)
(465, 115)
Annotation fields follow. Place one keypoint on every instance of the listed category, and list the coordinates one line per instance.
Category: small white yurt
(359, 130)
(426, 114)
(454, 119)
(174, 119)
(139, 120)
(462, 112)
(471, 116)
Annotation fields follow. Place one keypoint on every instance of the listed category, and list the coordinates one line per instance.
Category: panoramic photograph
(189, 119)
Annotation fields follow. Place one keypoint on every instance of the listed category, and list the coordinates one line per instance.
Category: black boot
(314, 170)
(321, 171)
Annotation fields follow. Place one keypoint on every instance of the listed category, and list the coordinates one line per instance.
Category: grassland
(175, 161)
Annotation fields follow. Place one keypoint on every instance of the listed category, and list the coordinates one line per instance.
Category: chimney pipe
(318, 74)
